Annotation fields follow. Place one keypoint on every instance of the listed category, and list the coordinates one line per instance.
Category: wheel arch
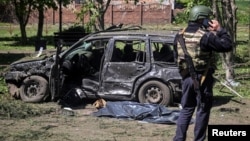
(16, 81)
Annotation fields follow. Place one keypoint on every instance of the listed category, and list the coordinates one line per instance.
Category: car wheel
(155, 92)
(34, 89)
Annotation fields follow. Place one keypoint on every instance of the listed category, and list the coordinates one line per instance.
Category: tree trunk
(23, 32)
(101, 21)
(22, 11)
(225, 13)
(216, 11)
(40, 23)
(234, 23)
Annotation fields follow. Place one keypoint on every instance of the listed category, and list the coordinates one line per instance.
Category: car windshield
(82, 44)
(85, 46)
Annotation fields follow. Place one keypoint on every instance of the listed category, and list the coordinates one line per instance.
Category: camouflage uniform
(201, 59)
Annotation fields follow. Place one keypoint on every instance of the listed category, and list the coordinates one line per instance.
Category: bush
(180, 18)
(75, 29)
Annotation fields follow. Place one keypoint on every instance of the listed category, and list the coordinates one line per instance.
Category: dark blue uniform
(219, 42)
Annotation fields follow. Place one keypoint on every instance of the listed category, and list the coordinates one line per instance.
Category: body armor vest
(200, 58)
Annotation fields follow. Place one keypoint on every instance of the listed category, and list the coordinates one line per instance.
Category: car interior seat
(129, 55)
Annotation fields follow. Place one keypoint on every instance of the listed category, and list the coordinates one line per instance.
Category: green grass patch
(11, 108)
(243, 12)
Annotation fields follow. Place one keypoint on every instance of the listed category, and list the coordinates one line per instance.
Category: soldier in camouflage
(203, 36)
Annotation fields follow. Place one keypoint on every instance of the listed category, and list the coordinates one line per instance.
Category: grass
(10, 36)
(241, 14)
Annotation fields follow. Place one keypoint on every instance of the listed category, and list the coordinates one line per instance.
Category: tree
(23, 9)
(96, 10)
(225, 13)
(6, 12)
(40, 6)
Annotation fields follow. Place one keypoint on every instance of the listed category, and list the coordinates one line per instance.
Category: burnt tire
(155, 92)
(34, 89)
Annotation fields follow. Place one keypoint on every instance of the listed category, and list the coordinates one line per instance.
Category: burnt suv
(117, 64)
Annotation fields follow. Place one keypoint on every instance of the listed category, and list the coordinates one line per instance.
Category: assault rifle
(191, 68)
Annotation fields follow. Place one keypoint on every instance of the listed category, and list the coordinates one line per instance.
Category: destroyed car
(118, 64)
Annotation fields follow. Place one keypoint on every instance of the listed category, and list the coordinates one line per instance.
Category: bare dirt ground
(82, 126)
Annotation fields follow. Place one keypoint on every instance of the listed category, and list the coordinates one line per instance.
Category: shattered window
(163, 51)
(129, 51)
(88, 48)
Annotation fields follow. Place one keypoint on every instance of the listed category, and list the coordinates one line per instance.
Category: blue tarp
(152, 113)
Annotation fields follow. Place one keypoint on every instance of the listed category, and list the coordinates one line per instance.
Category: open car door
(54, 79)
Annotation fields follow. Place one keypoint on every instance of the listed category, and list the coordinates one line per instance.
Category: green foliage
(88, 8)
(191, 3)
(243, 11)
(3, 88)
(188, 4)
(243, 54)
(180, 18)
(75, 28)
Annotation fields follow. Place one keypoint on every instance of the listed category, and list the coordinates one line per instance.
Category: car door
(119, 74)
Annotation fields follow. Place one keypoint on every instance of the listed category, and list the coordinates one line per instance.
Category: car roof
(161, 35)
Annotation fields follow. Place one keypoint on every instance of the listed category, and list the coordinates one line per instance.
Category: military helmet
(199, 12)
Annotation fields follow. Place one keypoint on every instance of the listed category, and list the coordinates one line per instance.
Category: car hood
(34, 57)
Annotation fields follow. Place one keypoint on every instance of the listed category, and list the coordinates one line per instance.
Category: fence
(139, 14)
(143, 14)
